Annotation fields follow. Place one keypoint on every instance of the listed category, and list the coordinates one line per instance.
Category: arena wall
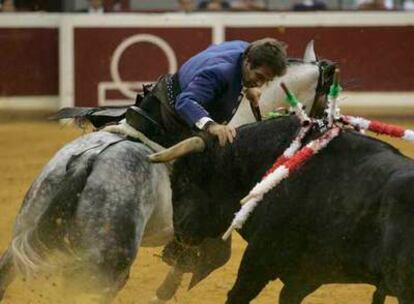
(54, 60)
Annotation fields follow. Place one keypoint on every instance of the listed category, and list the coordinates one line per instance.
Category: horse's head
(308, 78)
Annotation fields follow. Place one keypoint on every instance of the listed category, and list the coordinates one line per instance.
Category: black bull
(346, 216)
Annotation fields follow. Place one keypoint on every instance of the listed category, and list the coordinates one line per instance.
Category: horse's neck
(301, 79)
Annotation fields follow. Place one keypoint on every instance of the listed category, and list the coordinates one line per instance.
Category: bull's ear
(309, 55)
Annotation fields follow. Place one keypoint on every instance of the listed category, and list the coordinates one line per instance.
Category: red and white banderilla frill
(379, 127)
(273, 178)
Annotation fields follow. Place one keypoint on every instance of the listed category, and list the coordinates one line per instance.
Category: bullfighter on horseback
(203, 96)
(206, 91)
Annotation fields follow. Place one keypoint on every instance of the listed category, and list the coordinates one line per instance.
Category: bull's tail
(31, 248)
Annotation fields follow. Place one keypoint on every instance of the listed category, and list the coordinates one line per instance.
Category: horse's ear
(309, 55)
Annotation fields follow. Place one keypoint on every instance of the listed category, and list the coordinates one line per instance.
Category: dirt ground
(24, 149)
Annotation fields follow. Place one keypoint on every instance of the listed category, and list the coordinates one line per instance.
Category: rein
(256, 112)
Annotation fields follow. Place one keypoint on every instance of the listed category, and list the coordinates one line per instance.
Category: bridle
(326, 71)
(325, 80)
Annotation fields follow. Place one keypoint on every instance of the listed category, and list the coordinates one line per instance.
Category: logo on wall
(129, 88)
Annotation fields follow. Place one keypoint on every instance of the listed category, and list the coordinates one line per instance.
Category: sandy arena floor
(26, 146)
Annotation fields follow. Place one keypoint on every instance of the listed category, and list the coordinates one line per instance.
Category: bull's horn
(187, 146)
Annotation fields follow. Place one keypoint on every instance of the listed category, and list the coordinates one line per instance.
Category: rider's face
(256, 77)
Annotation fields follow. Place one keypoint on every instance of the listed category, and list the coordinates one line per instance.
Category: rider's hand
(253, 95)
(223, 132)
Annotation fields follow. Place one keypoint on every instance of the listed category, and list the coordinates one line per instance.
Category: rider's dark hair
(267, 52)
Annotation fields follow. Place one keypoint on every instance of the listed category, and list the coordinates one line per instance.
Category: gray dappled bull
(347, 216)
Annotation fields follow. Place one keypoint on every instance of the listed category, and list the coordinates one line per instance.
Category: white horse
(301, 78)
(99, 198)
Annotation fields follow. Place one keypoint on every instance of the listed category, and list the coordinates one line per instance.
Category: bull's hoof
(155, 300)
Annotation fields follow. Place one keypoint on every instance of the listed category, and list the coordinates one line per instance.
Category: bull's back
(327, 217)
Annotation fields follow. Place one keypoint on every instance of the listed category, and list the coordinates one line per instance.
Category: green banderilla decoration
(290, 98)
(277, 113)
(335, 88)
(294, 103)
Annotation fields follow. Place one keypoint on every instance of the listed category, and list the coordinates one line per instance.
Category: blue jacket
(211, 83)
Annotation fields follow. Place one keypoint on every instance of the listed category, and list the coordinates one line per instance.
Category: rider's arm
(198, 95)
